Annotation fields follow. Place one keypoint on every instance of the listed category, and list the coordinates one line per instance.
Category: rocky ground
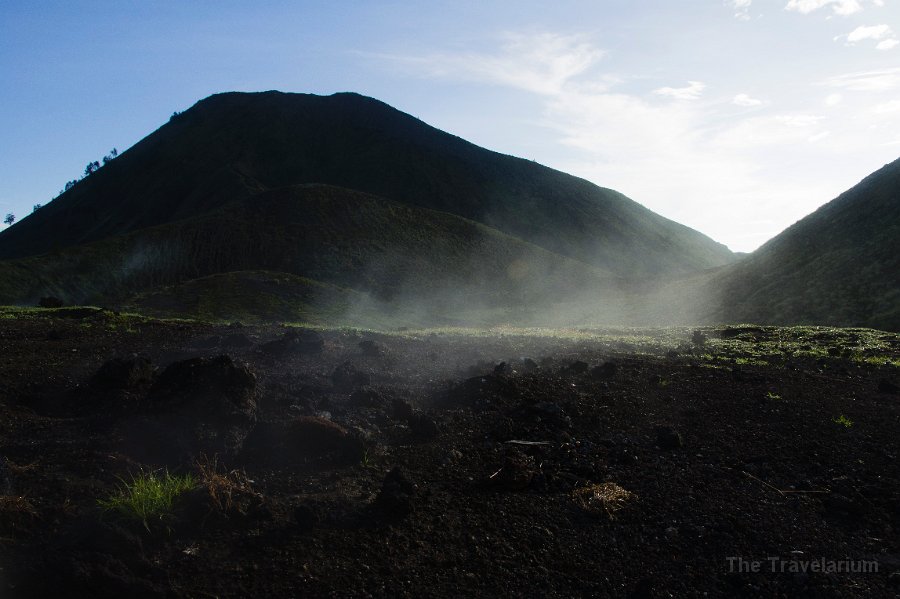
(629, 463)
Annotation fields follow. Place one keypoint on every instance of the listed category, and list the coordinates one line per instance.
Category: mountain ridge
(233, 145)
(838, 265)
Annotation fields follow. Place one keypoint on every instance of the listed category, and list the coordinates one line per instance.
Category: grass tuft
(224, 487)
(601, 498)
(843, 421)
(149, 496)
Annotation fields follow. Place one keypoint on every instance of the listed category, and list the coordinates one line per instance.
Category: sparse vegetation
(604, 498)
(843, 421)
(564, 455)
(16, 505)
(149, 496)
(224, 488)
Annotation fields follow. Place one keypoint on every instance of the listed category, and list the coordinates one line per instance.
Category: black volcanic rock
(347, 377)
(123, 373)
(197, 406)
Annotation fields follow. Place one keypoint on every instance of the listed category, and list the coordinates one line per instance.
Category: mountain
(232, 147)
(838, 266)
(396, 255)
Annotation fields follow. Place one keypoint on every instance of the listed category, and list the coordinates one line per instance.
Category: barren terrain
(620, 463)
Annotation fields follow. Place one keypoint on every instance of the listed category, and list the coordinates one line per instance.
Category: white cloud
(799, 120)
(745, 100)
(868, 81)
(692, 92)
(839, 7)
(541, 64)
(698, 162)
(871, 32)
(887, 107)
(875, 32)
(741, 9)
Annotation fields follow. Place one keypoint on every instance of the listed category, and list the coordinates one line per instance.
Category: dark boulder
(503, 368)
(123, 373)
(528, 365)
(90, 557)
(197, 406)
(607, 370)
(311, 342)
(887, 387)
(346, 377)
(516, 474)
(304, 341)
(304, 440)
(402, 409)
(397, 497)
(237, 340)
(549, 412)
(423, 427)
(368, 398)
(577, 367)
(371, 348)
(668, 438)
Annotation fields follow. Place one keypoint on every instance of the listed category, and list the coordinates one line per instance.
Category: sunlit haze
(736, 118)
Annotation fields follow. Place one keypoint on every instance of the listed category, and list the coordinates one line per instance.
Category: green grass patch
(843, 421)
(148, 497)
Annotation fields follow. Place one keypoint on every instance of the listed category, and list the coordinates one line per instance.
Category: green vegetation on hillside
(837, 266)
(230, 147)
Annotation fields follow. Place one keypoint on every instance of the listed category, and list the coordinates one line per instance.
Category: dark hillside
(231, 146)
(840, 265)
(358, 241)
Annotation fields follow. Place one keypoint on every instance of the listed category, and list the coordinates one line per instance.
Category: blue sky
(735, 117)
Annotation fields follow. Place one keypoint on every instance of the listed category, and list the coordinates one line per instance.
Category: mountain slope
(840, 265)
(232, 146)
(394, 252)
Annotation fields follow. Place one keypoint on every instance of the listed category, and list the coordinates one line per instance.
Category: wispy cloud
(693, 158)
(745, 100)
(542, 63)
(693, 91)
(799, 120)
(880, 33)
(838, 7)
(881, 80)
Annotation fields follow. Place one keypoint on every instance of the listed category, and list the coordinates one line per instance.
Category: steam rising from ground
(542, 299)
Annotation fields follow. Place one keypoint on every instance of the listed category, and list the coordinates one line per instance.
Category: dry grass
(16, 469)
(17, 506)
(224, 488)
(606, 498)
